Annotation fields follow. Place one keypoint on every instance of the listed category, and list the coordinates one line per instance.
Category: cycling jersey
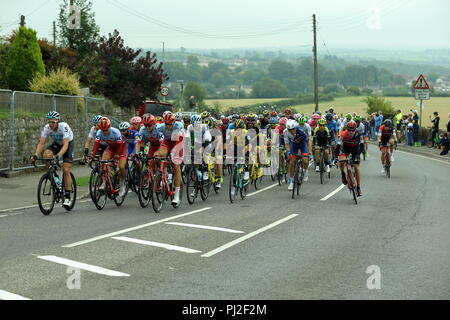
(307, 128)
(385, 133)
(297, 141)
(332, 127)
(198, 135)
(350, 142)
(312, 123)
(115, 141)
(322, 137)
(154, 136)
(173, 134)
(62, 132)
(131, 139)
(361, 128)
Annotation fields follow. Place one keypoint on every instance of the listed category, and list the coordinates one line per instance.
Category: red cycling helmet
(351, 126)
(315, 116)
(148, 119)
(136, 120)
(283, 121)
(169, 118)
(104, 124)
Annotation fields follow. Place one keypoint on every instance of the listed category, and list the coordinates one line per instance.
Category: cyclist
(117, 146)
(265, 121)
(130, 136)
(172, 143)
(296, 139)
(386, 135)
(303, 122)
(350, 142)
(239, 138)
(159, 120)
(91, 136)
(149, 134)
(347, 119)
(333, 127)
(136, 123)
(314, 121)
(366, 135)
(186, 121)
(62, 147)
(322, 138)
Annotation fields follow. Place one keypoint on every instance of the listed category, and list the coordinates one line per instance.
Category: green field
(354, 104)
(225, 104)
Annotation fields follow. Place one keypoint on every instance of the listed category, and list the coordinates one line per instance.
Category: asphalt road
(270, 247)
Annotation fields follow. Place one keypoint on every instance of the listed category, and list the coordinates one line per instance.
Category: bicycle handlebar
(53, 161)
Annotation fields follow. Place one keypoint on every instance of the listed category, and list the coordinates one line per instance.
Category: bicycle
(106, 183)
(145, 191)
(322, 165)
(256, 174)
(282, 169)
(387, 160)
(349, 171)
(237, 182)
(298, 174)
(163, 183)
(133, 174)
(51, 186)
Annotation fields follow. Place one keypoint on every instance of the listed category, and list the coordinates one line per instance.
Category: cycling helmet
(148, 119)
(124, 126)
(104, 124)
(235, 116)
(348, 116)
(329, 117)
(225, 120)
(96, 119)
(195, 119)
(273, 114)
(302, 120)
(265, 113)
(260, 117)
(169, 118)
(239, 124)
(273, 120)
(291, 124)
(159, 119)
(53, 115)
(208, 121)
(136, 120)
(283, 121)
(205, 114)
(186, 118)
(322, 121)
(315, 116)
(178, 116)
(287, 110)
(251, 118)
(387, 123)
(296, 116)
(358, 119)
(351, 126)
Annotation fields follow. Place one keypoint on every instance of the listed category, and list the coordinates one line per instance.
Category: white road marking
(333, 193)
(3, 216)
(266, 188)
(428, 158)
(112, 234)
(247, 236)
(157, 244)
(204, 227)
(5, 295)
(19, 208)
(84, 266)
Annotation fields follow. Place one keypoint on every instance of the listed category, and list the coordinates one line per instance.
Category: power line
(26, 15)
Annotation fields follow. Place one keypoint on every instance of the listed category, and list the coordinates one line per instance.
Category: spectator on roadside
(410, 134)
(435, 128)
(415, 120)
(192, 103)
(378, 120)
(372, 126)
(398, 124)
(444, 143)
(448, 125)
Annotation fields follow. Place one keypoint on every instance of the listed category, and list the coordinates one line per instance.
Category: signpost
(165, 91)
(422, 92)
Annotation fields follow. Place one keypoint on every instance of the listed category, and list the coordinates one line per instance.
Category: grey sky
(409, 24)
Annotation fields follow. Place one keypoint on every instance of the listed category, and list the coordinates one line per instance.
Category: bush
(376, 103)
(59, 81)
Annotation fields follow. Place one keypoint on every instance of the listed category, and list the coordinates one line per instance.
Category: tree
(24, 60)
(269, 88)
(280, 70)
(81, 39)
(376, 103)
(193, 60)
(4, 52)
(353, 91)
(196, 90)
(60, 81)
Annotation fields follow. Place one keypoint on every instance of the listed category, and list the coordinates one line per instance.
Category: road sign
(422, 94)
(421, 83)
(165, 91)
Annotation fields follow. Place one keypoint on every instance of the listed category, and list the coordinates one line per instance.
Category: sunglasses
(52, 122)
(148, 125)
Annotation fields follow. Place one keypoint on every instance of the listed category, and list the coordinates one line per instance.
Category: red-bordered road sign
(421, 83)
(165, 91)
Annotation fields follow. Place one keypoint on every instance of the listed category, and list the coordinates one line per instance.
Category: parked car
(155, 108)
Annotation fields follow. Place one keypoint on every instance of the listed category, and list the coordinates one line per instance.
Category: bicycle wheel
(99, 195)
(73, 193)
(244, 186)
(159, 192)
(296, 179)
(258, 180)
(233, 188)
(355, 198)
(92, 179)
(46, 194)
(321, 168)
(118, 200)
(205, 187)
(388, 171)
(301, 175)
(191, 184)
(145, 189)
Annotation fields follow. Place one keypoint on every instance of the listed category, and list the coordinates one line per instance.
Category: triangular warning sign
(421, 83)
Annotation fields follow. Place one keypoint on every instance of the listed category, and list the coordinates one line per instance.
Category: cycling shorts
(295, 147)
(68, 156)
(120, 151)
(345, 151)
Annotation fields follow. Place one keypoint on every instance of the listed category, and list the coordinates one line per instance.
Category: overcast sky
(409, 24)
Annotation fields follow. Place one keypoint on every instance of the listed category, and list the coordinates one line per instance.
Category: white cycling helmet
(291, 124)
(124, 126)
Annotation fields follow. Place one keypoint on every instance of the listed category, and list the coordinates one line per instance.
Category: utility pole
(22, 20)
(163, 52)
(316, 79)
(54, 33)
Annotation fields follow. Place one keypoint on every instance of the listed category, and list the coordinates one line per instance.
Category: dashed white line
(157, 244)
(5, 295)
(204, 227)
(84, 266)
(247, 236)
(266, 188)
(333, 193)
(112, 234)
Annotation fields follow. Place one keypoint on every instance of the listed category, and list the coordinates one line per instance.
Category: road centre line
(84, 266)
(116, 233)
(5, 295)
(3, 216)
(204, 227)
(157, 244)
(266, 188)
(333, 193)
(247, 236)
(428, 158)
